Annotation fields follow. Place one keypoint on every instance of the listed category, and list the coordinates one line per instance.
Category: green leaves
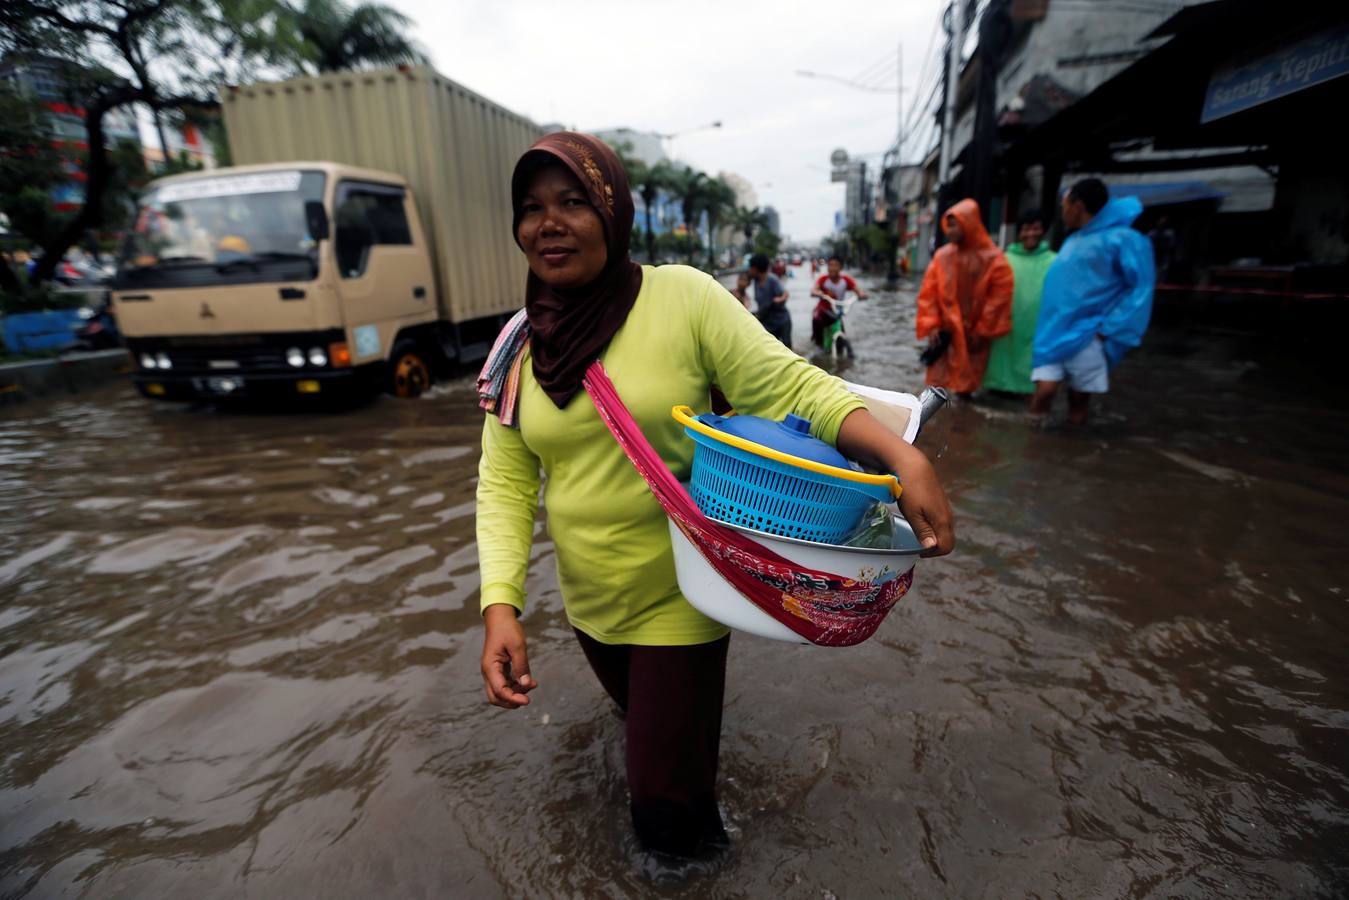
(333, 36)
(172, 56)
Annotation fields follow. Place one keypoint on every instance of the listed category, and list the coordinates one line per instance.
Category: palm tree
(690, 186)
(748, 221)
(719, 201)
(658, 178)
(647, 181)
(337, 37)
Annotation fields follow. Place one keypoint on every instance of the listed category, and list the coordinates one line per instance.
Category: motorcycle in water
(827, 327)
(97, 328)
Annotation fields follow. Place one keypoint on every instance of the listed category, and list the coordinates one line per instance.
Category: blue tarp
(1168, 192)
(47, 330)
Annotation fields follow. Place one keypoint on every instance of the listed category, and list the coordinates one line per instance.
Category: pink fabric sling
(825, 609)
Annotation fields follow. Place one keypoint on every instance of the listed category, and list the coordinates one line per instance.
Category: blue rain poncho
(1101, 283)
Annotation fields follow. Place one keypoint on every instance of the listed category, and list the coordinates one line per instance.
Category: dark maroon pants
(672, 698)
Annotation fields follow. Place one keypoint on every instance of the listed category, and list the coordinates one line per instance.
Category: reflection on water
(238, 655)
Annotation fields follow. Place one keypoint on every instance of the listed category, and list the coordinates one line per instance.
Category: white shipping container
(455, 148)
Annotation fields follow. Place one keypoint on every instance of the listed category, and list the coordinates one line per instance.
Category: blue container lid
(790, 436)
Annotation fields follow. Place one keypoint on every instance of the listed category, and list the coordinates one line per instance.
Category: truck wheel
(409, 374)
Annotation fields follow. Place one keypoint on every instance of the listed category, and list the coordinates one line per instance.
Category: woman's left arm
(760, 376)
(923, 502)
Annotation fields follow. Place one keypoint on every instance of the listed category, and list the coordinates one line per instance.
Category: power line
(867, 73)
(923, 110)
(885, 77)
(930, 103)
(930, 56)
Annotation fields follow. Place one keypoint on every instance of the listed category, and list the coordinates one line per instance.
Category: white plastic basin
(896, 411)
(714, 597)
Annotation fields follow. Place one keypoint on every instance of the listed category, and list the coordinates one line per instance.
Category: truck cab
(281, 280)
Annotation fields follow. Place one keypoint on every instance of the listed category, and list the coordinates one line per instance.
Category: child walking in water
(741, 291)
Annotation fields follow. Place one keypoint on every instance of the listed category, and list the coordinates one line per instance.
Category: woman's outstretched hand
(922, 501)
(924, 504)
(505, 662)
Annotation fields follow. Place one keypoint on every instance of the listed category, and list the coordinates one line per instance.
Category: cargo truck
(362, 240)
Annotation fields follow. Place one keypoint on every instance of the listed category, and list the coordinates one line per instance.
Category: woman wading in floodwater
(665, 335)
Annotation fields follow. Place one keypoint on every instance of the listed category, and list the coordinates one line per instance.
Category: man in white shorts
(1086, 372)
(1097, 299)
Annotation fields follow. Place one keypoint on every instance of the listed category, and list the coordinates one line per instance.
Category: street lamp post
(669, 138)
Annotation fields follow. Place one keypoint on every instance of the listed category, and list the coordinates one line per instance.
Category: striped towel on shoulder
(499, 380)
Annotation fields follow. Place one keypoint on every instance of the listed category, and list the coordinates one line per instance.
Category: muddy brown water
(239, 653)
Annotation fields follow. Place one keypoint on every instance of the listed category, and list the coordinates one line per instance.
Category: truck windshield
(228, 228)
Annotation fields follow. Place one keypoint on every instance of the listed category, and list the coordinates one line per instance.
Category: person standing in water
(965, 301)
(770, 299)
(1097, 299)
(666, 335)
(1009, 360)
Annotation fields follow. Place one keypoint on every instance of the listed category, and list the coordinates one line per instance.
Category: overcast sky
(667, 67)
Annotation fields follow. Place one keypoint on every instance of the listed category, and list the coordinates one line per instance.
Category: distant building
(1212, 114)
(857, 197)
(1058, 53)
(186, 142)
(644, 145)
(773, 219)
(40, 78)
(1034, 60)
(745, 195)
(667, 213)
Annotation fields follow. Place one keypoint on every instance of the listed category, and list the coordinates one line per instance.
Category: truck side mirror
(316, 218)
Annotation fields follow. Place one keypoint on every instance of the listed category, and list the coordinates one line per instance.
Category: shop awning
(1168, 192)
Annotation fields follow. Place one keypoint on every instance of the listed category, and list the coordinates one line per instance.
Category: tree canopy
(333, 36)
(170, 56)
(698, 194)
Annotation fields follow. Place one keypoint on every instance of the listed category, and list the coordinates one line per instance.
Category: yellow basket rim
(684, 416)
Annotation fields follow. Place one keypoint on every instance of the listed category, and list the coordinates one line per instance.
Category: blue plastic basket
(752, 491)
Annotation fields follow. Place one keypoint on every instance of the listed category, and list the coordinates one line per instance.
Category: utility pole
(956, 35)
(900, 219)
(899, 95)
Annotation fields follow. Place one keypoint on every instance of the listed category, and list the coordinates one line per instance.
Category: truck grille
(227, 354)
(227, 359)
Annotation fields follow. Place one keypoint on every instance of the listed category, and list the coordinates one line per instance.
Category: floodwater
(239, 658)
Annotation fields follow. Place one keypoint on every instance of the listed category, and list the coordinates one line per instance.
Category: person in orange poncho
(965, 301)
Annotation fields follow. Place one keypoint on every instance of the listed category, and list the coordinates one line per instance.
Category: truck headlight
(147, 361)
(295, 357)
(317, 357)
(163, 360)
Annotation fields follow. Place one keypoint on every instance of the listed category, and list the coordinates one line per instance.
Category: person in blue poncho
(1097, 299)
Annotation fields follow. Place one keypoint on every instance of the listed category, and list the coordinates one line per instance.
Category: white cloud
(668, 67)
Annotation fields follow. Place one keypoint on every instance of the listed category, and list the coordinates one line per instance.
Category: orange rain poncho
(967, 291)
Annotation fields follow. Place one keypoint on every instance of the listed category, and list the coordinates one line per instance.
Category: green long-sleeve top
(615, 564)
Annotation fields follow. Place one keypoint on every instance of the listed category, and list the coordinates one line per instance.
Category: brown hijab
(572, 327)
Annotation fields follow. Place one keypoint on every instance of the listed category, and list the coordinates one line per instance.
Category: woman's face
(560, 232)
